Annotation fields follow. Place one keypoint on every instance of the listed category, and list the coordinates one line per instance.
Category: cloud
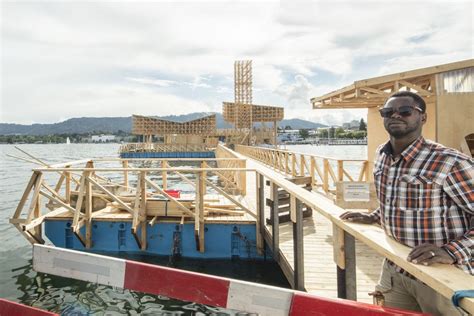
(65, 59)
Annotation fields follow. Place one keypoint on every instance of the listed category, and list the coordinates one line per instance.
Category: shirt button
(387, 200)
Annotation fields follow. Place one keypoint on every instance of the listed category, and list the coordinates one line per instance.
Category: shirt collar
(410, 152)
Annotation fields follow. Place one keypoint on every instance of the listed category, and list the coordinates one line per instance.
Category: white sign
(356, 192)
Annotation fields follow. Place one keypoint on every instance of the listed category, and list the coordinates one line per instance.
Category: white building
(102, 138)
(289, 136)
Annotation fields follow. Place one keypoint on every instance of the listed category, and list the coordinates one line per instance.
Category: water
(70, 297)
(336, 151)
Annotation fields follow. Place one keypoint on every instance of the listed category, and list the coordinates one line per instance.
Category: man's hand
(358, 217)
(428, 254)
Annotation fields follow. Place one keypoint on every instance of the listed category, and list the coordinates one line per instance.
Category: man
(426, 202)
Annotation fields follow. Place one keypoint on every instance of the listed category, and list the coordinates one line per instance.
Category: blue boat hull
(222, 241)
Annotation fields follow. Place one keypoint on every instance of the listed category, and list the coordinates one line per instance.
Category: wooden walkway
(319, 267)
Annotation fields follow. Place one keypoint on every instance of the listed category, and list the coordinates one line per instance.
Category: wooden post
(276, 223)
(142, 211)
(37, 214)
(367, 171)
(260, 211)
(88, 214)
(199, 211)
(293, 164)
(275, 134)
(125, 174)
(345, 257)
(340, 170)
(164, 179)
(287, 167)
(311, 171)
(243, 178)
(298, 243)
(68, 186)
(302, 163)
(326, 175)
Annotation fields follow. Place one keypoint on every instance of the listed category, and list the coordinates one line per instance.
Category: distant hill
(112, 125)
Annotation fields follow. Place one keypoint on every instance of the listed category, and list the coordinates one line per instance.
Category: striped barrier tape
(195, 287)
(9, 308)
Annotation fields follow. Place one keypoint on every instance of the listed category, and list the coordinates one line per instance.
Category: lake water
(70, 297)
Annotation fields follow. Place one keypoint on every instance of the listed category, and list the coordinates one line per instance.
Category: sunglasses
(404, 111)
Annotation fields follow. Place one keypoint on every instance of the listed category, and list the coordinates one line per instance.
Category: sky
(65, 59)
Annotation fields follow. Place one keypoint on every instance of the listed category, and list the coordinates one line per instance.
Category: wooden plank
(113, 196)
(88, 214)
(68, 186)
(338, 246)
(172, 199)
(24, 197)
(260, 198)
(39, 220)
(231, 198)
(350, 267)
(276, 222)
(298, 247)
(35, 196)
(125, 174)
(164, 175)
(52, 198)
(80, 198)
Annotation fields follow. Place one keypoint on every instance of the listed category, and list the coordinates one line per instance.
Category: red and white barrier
(9, 308)
(195, 287)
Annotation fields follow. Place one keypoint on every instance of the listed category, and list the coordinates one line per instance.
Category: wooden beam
(113, 196)
(172, 199)
(34, 199)
(53, 198)
(24, 197)
(298, 247)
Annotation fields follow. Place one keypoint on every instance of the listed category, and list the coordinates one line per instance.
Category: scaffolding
(145, 125)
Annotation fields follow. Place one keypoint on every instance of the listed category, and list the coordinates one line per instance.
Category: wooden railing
(325, 172)
(444, 279)
(87, 187)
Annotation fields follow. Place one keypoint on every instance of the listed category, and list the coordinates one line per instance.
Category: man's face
(399, 126)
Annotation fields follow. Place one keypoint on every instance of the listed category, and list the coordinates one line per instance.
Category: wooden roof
(145, 125)
(374, 91)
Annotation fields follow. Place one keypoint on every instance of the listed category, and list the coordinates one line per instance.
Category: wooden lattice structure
(258, 113)
(243, 82)
(242, 113)
(144, 125)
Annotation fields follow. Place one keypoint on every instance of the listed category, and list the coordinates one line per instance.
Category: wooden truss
(143, 125)
(256, 113)
(373, 92)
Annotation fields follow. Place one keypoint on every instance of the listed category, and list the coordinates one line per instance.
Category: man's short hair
(416, 98)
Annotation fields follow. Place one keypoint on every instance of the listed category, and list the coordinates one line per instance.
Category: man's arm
(459, 185)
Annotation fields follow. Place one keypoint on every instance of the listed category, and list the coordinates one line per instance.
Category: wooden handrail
(444, 279)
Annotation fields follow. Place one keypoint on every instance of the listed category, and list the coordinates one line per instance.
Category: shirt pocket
(415, 192)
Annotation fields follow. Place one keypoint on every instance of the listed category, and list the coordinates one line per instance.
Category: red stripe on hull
(182, 285)
(9, 308)
(307, 305)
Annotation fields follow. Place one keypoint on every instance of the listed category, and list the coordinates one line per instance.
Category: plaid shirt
(427, 196)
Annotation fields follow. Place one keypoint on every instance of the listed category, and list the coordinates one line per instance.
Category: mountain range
(113, 125)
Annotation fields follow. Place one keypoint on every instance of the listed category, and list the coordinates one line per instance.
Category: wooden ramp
(319, 268)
